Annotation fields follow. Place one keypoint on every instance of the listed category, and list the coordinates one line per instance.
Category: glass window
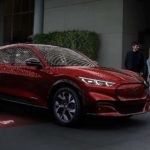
(6, 56)
(58, 56)
(22, 54)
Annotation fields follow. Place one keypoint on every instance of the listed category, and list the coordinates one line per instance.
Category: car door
(28, 83)
(6, 59)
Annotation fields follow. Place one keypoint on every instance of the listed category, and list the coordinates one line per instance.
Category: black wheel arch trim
(69, 83)
(66, 81)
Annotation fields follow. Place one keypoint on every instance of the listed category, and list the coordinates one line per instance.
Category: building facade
(117, 22)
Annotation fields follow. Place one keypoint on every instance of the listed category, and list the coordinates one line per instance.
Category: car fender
(66, 82)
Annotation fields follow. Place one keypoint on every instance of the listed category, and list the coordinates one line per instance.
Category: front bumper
(118, 109)
(104, 105)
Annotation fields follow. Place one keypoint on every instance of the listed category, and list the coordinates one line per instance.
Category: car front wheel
(66, 106)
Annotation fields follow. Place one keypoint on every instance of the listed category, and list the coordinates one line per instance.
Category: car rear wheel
(66, 106)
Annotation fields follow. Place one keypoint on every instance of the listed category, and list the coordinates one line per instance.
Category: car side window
(22, 54)
(6, 56)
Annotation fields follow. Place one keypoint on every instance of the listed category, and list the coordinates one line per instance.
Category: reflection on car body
(68, 83)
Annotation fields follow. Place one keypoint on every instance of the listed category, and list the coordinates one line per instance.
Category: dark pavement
(29, 130)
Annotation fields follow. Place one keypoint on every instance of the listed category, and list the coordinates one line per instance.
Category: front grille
(129, 108)
(131, 91)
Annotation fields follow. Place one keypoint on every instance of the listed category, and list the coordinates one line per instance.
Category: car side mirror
(95, 62)
(33, 62)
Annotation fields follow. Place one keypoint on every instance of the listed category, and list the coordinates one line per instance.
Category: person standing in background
(135, 59)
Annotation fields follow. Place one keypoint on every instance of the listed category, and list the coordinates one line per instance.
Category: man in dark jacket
(135, 59)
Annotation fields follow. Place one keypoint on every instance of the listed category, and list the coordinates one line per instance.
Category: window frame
(23, 64)
(12, 57)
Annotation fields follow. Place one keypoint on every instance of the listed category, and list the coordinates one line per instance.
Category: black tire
(124, 117)
(66, 106)
(127, 117)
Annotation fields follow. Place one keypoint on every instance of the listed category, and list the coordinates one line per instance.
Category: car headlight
(97, 82)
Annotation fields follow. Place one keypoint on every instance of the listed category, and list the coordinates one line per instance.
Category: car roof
(26, 44)
(37, 46)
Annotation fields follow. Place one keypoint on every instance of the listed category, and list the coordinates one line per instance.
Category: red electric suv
(68, 83)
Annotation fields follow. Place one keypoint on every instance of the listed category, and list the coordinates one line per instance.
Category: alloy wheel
(66, 106)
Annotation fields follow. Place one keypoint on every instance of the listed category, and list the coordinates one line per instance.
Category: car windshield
(58, 56)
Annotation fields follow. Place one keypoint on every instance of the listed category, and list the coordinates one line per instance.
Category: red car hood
(108, 74)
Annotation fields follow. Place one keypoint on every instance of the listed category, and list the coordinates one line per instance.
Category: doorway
(18, 20)
(144, 39)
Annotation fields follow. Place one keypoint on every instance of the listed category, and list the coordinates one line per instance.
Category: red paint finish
(34, 85)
